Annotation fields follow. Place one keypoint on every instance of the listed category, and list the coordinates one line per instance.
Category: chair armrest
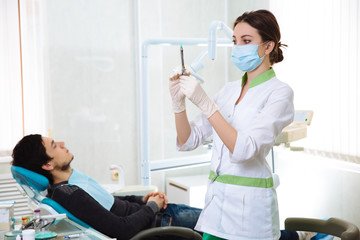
(333, 226)
(163, 231)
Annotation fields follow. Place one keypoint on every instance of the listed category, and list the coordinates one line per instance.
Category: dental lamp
(197, 64)
(214, 26)
(212, 44)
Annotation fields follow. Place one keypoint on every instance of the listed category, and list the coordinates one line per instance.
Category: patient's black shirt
(128, 215)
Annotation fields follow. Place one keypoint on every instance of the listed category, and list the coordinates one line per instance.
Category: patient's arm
(144, 199)
(124, 220)
(132, 198)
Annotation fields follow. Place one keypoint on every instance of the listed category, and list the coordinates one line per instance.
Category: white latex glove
(191, 88)
(178, 98)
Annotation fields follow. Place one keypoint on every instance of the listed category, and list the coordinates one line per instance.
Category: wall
(90, 76)
(92, 73)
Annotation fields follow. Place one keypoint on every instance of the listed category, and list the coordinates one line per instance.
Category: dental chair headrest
(40, 183)
(30, 178)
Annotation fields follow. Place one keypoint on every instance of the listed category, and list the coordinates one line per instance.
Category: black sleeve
(132, 198)
(87, 209)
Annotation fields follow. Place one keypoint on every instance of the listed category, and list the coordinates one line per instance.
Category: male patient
(117, 217)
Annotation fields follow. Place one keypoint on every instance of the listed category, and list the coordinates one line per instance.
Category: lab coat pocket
(258, 209)
(232, 215)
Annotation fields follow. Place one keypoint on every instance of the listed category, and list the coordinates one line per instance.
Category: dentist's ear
(47, 166)
(269, 47)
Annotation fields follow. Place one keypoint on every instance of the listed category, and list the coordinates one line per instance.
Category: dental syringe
(182, 60)
(188, 72)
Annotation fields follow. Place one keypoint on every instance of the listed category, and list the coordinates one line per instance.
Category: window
(11, 127)
(322, 65)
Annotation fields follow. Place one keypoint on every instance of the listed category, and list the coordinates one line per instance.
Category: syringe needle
(182, 60)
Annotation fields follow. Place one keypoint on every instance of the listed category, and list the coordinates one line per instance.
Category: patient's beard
(66, 166)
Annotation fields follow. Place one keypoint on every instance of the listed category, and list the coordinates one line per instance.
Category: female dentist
(244, 118)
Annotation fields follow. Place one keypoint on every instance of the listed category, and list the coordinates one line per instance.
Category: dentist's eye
(247, 41)
(234, 41)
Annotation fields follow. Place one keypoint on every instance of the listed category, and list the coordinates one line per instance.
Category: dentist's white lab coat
(235, 211)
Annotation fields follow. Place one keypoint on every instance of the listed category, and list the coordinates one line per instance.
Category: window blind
(321, 64)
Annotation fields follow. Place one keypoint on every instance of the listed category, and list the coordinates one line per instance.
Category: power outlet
(115, 174)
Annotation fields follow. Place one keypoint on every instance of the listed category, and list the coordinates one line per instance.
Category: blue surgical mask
(245, 57)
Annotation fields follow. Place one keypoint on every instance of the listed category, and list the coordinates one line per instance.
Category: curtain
(322, 66)
(11, 129)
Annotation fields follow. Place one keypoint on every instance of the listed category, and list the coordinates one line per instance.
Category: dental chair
(155, 233)
(35, 186)
(332, 226)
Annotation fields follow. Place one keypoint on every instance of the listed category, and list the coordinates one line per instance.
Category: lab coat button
(229, 116)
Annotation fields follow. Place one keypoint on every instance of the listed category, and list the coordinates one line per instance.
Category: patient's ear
(47, 166)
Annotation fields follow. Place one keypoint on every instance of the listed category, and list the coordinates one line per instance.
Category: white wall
(91, 83)
(92, 75)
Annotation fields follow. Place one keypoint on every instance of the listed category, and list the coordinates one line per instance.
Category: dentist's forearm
(224, 130)
(183, 128)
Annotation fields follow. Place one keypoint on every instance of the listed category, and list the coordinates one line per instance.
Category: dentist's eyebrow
(246, 35)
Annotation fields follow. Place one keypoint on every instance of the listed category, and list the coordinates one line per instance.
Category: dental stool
(34, 185)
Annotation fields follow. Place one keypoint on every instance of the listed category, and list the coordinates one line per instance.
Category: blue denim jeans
(180, 215)
(289, 235)
(176, 215)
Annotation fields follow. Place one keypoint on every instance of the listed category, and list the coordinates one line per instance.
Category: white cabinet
(189, 190)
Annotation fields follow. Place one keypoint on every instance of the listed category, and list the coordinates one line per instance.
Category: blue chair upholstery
(37, 184)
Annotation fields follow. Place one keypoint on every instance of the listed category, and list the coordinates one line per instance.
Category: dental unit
(212, 42)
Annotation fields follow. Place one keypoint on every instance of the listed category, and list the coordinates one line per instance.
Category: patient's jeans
(176, 215)
(180, 215)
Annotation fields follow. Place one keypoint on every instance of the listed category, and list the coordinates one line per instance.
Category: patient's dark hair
(30, 153)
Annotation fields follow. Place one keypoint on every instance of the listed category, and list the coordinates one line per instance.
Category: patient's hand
(158, 200)
(161, 194)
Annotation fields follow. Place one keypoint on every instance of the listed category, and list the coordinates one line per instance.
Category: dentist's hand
(191, 88)
(178, 98)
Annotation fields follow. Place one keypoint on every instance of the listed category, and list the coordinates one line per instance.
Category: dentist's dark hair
(266, 24)
(30, 153)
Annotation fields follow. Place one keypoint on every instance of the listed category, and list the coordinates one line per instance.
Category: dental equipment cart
(64, 228)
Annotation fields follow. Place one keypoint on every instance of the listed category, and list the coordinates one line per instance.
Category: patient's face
(61, 156)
